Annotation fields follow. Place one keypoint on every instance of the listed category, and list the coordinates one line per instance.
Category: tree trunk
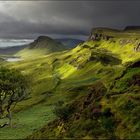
(10, 118)
(9, 114)
(1, 109)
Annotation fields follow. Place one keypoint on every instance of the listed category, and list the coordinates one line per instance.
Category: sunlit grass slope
(94, 87)
(101, 81)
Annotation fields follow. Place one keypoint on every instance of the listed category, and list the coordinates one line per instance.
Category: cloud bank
(29, 19)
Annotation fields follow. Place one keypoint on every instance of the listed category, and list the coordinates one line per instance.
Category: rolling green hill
(91, 91)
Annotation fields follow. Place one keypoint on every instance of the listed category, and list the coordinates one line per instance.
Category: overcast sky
(29, 19)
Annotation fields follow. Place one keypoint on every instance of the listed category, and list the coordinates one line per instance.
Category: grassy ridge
(98, 78)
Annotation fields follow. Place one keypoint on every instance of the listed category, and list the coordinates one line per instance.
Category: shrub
(129, 105)
(108, 123)
(63, 112)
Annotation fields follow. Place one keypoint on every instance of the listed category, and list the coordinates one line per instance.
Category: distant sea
(14, 42)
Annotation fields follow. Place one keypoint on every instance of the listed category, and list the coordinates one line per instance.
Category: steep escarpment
(130, 32)
(98, 92)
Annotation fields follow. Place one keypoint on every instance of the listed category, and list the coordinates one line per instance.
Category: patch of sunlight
(66, 70)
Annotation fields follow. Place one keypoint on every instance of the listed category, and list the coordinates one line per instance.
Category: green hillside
(91, 91)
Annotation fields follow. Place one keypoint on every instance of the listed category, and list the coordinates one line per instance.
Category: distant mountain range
(11, 50)
(132, 28)
(70, 43)
(43, 42)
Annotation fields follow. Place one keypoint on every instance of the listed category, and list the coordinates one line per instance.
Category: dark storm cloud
(28, 19)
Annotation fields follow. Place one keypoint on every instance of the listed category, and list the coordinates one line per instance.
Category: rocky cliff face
(102, 33)
(123, 36)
